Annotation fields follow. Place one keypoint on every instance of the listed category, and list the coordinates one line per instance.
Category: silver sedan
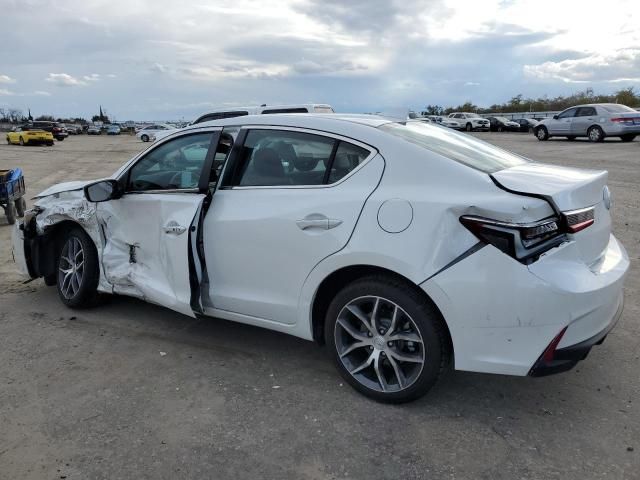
(595, 121)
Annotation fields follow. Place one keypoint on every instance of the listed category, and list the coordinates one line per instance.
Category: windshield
(615, 108)
(502, 119)
(460, 147)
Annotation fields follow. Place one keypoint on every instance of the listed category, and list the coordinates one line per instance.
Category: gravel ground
(130, 390)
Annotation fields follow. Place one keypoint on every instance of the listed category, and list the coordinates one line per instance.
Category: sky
(166, 59)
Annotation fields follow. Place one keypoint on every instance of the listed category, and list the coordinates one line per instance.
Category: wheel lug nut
(370, 334)
(383, 354)
(381, 331)
(390, 344)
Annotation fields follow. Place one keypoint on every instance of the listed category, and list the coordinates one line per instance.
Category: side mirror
(555, 117)
(101, 191)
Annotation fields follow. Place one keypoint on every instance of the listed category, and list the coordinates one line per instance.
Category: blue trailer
(11, 192)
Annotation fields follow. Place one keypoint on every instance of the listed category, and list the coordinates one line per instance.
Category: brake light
(625, 119)
(524, 242)
(548, 354)
(578, 220)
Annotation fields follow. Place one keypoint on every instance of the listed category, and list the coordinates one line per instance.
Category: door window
(176, 164)
(568, 113)
(586, 112)
(284, 158)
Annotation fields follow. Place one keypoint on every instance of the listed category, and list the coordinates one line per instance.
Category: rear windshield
(461, 147)
(613, 108)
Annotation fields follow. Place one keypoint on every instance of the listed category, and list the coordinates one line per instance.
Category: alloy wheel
(379, 344)
(594, 134)
(71, 268)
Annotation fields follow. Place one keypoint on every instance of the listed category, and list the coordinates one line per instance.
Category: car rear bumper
(621, 129)
(504, 315)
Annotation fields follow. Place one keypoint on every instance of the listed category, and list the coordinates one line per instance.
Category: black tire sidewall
(20, 207)
(86, 295)
(546, 134)
(144, 138)
(423, 314)
(10, 212)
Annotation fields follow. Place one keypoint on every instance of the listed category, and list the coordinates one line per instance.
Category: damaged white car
(405, 247)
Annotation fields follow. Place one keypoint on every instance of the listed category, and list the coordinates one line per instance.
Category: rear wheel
(8, 141)
(628, 137)
(386, 340)
(78, 271)
(595, 134)
(542, 134)
(469, 127)
(21, 206)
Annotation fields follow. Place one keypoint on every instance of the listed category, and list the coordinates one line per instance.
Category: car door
(562, 124)
(150, 231)
(288, 199)
(584, 118)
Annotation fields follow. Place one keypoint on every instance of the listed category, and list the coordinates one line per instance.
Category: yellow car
(29, 136)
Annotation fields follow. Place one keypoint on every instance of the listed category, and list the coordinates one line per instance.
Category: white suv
(470, 121)
(220, 113)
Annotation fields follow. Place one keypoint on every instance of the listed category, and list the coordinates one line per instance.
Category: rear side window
(219, 115)
(460, 147)
(616, 108)
(288, 158)
(586, 112)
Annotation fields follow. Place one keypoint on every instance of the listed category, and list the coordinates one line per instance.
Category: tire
(21, 206)
(22, 142)
(499, 129)
(10, 212)
(468, 127)
(8, 141)
(571, 138)
(595, 134)
(542, 134)
(144, 138)
(77, 271)
(60, 139)
(629, 137)
(420, 351)
(49, 144)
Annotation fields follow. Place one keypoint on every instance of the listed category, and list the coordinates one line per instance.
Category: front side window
(285, 158)
(176, 164)
(568, 113)
(586, 112)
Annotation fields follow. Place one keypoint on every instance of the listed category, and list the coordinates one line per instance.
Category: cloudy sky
(168, 59)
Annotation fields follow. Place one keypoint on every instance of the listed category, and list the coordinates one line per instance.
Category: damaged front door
(150, 230)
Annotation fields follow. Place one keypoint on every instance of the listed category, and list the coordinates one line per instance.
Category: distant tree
(627, 96)
(15, 115)
(434, 110)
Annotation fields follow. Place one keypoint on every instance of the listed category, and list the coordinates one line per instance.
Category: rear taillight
(630, 120)
(578, 220)
(524, 242)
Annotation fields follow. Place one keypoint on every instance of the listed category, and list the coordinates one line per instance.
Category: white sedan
(148, 133)
(403, 246)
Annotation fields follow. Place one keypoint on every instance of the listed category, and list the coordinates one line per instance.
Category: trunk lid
(579, 194)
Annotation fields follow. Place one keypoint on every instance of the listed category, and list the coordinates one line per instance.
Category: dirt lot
(131, 390)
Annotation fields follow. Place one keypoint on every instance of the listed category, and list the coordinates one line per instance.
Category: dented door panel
(147, 240)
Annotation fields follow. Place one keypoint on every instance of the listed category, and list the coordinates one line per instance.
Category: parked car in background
(113, 130)
(446, 122)
(29, 135)
(403, 247)
(595, 121)
(500, 124)
(94, 130)
(264, 110)
(470, 121)
(56, 129)
(527, 124)
(146, 133)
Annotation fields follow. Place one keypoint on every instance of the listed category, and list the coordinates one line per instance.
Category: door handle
(317, 221)
(174, 229)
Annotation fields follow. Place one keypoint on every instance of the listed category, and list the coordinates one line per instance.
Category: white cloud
(5, 92)
(41, 93)
(94, 77)
(6, 79)
(64, 80)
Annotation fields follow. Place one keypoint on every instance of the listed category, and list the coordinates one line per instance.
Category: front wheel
(144, 138)
(386, 340)
(469, 127)
(595, 134)
(542, 134)
(10, 212)
(78, 271)
(628, 137)
(22, 142)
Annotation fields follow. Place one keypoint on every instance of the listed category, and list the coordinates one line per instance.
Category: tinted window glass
(586, 112)
(176, 164)
(348, 157)
(279, 157)
(462, 148)
(568, 113)
(285, 110)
